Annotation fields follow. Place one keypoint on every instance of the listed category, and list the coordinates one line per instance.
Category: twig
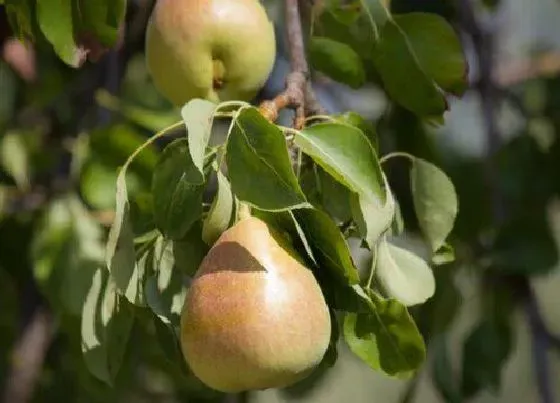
(298, 89)
(28, 356)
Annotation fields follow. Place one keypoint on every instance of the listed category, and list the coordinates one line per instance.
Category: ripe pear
(217, 50)
(254, 316)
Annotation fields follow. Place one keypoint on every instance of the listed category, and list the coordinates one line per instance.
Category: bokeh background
(65, 131)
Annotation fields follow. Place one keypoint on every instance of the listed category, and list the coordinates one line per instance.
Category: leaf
(67, 248)
(20, 15)
(14, 158)
(437, 48)
(444, 255)
(106, 324)
(327, 243)
(403, 275)
(120, 255)
(101, 18)
(198, 115)
(189, 251)
(334, 196)
(55, 21)
(402, 76)
(356, 120)
(435, 201)
(485, 352)
(165, 291)
(177, 190)
(220, 213)
(372, 217)
(259, 166)
(336, 60)
(386, 338)
(346, 154)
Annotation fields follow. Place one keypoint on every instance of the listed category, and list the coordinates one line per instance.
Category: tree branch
(298, 90)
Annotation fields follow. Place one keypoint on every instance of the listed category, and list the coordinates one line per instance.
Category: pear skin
(217, 50)
(254, 317)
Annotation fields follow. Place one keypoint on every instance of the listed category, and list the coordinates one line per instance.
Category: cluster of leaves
(75, 29)
(150, 265)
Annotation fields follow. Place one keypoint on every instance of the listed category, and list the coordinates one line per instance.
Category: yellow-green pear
(254, 317)
(217, 50)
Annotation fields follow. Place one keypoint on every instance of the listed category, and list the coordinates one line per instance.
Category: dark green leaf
(402, 76)
(327, 243)
(189, 251)
(100, 18)
(198, 115)
(8, 93)
(336, 60)
(220, 213)
(346, 154)
(386, 338)
(437, 48)
(334, 197)
(55, 20)
(177, 190)
(166, 290)
(485, 352)
(259, 166)
(403, 275)
(435, 201)
(21, 17)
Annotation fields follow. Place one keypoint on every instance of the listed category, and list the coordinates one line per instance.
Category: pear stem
(298, 94)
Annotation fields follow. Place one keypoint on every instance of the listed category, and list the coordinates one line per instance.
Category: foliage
(117, 285)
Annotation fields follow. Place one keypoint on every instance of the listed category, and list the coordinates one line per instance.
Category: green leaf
(403, 275)
(20, 15)
(67, 248)
(372, 217)
(386, 338)
(336, 60)
(165, 291)
(177, 190)
(189, 251)
(220, 213)
(334, 196)
(259, 166)
(101, 18)
(10, 90)
(327, 243)
(346, 154)
(14, 158)
(435, 201)
(437, 48)
(402, 76)
(198, 115)
(356, 120)
(55, 20)
(485, 352)
(120, 255)
(106, 324)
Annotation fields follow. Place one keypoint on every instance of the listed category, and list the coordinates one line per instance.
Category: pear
(218, 50)
(254, 316)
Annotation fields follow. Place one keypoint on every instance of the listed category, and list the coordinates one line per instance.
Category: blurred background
(493, 327)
